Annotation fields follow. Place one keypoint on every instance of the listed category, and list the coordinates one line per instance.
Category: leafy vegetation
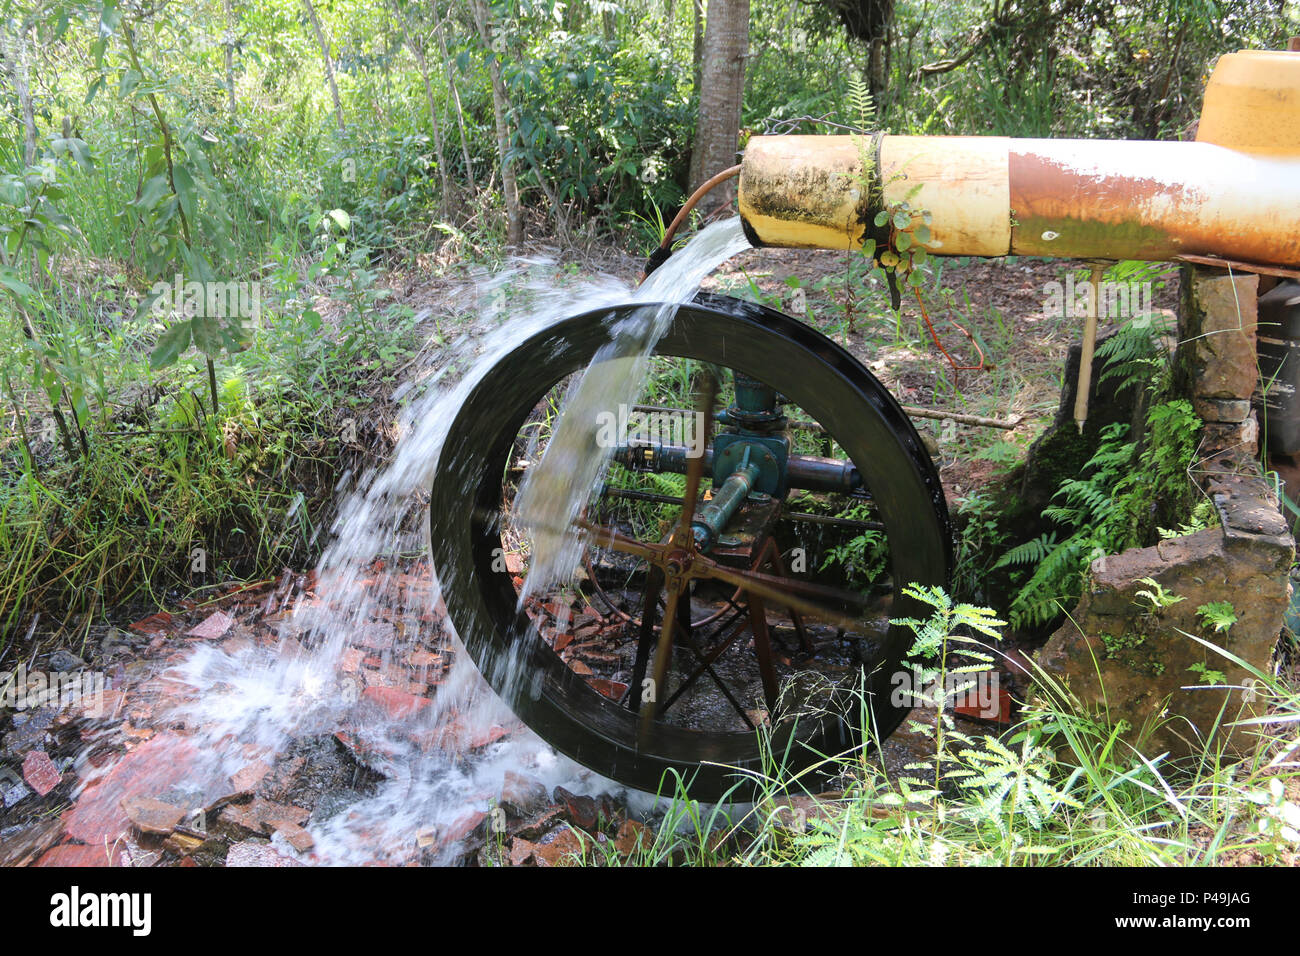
(1064, 785)
(1124, 496)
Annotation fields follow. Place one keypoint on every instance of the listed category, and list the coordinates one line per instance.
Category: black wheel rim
(550, 698)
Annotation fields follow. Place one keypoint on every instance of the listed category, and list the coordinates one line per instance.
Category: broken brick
(182, 844)
(560, 847)
(74, 854)
(521, 796)
(581, 810)
(981, 712)
(40, 773)
(521, 851)
(397, 704)
(295, 836)
(632, 835)
(542, 822)
(152, 816)
(256, 853)
(461, 827)
(247, 779)
(612, 689)
(351, 659)
(213, 627)
(263, 816)
(153, 624)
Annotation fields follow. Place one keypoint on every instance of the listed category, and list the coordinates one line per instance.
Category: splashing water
(556, 491)
(250, 703)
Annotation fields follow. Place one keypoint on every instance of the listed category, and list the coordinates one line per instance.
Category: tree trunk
(455, 99)
(722, 90)
(501, 114)
(228, 46)
(15, 58)
(417, 48)
(697, 41)
(329, 62)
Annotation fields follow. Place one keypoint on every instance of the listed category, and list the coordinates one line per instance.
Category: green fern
(1131, 354)
(1034, 551)
(1121, 496)
(861, 102)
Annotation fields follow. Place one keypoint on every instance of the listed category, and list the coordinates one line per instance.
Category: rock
(295, 836)
(632, 836)
(794, 812)
(183, 844)
(535, 826)
(15, 793)
(1231, 411)
(582, 811)
(397, 704)
(560, 847)
(40, 773)
(263, 816)
(521, 851)
(29, 843)
(522, 796)
(213, 627)
(76, 854)
(1241, 436)
(152, 816)
(1121, 655)
(607, 809)
(31, 731)
(155, 766)
(64, 661)
(1216, 330)
(258, 853)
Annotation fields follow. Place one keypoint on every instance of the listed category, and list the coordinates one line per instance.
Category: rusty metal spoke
(777, 590)
(683, 538)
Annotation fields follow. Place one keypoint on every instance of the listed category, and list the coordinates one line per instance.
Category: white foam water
(256, 701)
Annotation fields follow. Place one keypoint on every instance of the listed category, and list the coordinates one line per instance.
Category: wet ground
(223, 733)
(142, 772)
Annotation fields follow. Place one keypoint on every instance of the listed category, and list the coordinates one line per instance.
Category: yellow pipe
(1234, 194)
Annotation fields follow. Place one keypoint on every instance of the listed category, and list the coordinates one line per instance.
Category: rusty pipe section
(994, 196)
(1233, 194)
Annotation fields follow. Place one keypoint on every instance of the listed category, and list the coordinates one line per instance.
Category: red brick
(39, 772)
(397, 704)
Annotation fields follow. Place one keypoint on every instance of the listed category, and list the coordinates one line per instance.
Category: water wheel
(733, 606)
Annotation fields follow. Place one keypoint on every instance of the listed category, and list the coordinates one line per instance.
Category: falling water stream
(250, 703)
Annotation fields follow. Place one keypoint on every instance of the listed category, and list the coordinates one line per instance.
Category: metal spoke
(683, 538)
(706, 667)
(649, 707)
(769, 586)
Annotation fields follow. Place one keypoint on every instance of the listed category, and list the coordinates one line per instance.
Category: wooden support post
(1089, 346)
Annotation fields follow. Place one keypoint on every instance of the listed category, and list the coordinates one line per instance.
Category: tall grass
(1064, 786)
